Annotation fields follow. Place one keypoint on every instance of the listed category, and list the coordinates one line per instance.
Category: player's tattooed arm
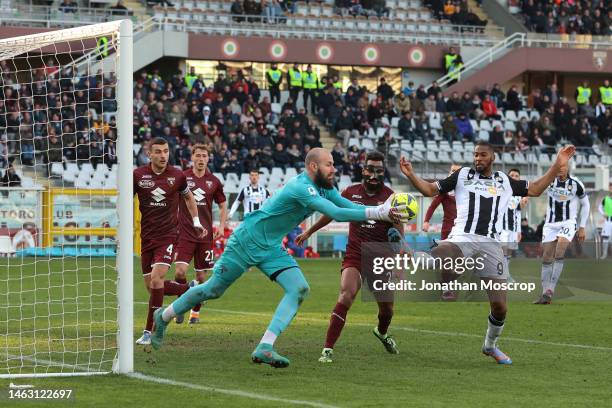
(320, 223)
(537, 187)
(193, 211)
(426, 188)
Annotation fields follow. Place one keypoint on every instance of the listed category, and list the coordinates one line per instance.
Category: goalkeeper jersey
(295, 202)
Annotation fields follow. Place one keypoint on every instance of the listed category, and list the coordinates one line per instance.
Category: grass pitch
(561, 352)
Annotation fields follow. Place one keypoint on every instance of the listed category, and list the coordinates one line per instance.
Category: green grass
(440, 362)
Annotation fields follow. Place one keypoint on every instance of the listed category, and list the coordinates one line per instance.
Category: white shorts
(485, 249)
(565, 229)
(509, 239)
(607, 229)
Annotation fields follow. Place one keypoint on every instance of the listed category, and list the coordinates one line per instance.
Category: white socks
(604, 250)
(494, 330)
(168, 314)
(547, 270)
(557, 268)
(268, 338)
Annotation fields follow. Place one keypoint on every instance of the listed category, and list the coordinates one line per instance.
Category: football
(412, 206)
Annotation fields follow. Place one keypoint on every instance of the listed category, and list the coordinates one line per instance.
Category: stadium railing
(51, 16)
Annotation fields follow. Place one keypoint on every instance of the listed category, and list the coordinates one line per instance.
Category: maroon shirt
(159, 196)
(449, 208)
(205, 189)
(370, 230)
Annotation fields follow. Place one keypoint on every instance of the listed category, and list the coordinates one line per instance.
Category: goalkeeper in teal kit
(257, 242)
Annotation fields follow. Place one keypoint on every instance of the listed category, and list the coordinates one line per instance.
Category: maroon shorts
(200, 252)
(156, 253)
(351, 261)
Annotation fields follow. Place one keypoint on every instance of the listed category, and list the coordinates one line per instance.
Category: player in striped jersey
(511, 223)
(564, 194)
(605, 209)
(251, 197)
(482, 197)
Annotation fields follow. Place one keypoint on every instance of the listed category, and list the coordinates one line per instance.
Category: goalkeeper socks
(336, 324)
(296, 289)
(156, 300)
(211, 289)
(172, 288)
(547, 269)
(556, 273)
(494, 330)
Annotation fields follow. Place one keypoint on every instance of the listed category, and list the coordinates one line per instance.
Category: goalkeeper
(257, 242)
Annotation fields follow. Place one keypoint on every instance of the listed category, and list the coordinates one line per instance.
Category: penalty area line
(232, 392)
(422, 331)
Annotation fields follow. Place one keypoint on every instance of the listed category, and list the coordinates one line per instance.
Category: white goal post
(66, 242)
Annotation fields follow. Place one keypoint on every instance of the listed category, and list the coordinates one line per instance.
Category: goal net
(66, 223)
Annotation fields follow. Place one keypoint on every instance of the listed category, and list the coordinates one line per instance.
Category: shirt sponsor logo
(199, 195)
(356, 196)
(484, 186)
(158, 195)
(146, 176)
(146, 184)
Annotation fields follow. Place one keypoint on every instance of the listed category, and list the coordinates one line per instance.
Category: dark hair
(375, 156)
(482, 143)
(158, 141)
(516, 170)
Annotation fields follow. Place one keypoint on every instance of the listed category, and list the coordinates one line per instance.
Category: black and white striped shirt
(512, 217)
(251, 197)
(563, 197)
(481, 200)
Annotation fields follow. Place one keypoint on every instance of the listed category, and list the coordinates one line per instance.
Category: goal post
(66, 234)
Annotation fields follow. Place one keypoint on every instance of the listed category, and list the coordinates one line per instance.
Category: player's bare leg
(497, 317)
(200, 277)
(350, 283)
(447, 250)
(385, 314)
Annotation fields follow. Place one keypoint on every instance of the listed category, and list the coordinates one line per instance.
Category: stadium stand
(565, 17)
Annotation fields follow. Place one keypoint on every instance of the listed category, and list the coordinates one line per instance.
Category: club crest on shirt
(171, 180)
(191, 184)
(209, 184)
(146, 184)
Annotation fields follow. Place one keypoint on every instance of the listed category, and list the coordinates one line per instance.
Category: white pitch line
(415, 330)
(166, 381)
(232, 392)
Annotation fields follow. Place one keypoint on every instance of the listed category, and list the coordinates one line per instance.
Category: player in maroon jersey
(371, 191)
(159, 188)
(449, 209)
(205, 188)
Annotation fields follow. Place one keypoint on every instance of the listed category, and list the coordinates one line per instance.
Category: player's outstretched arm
(426, 188)
(537, 187)
(383, 212)
(320, 223)
(193, 211)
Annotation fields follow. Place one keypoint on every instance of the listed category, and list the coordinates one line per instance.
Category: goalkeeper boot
(387, 341)
(264, 353)
(327, 356)
(145, 339)
(160, 329)
(497, 354)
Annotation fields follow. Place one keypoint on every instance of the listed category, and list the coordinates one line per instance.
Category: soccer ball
(412, 206)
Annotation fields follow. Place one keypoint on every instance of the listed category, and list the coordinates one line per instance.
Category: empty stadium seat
(57, 169)
(483, 135)
(511, 116)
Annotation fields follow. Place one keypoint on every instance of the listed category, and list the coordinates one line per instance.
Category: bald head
(316, 155)
(320, 167)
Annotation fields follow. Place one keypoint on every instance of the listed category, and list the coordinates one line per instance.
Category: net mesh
(58, 214)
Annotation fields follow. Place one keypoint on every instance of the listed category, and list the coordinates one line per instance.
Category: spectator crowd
(591, 17)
